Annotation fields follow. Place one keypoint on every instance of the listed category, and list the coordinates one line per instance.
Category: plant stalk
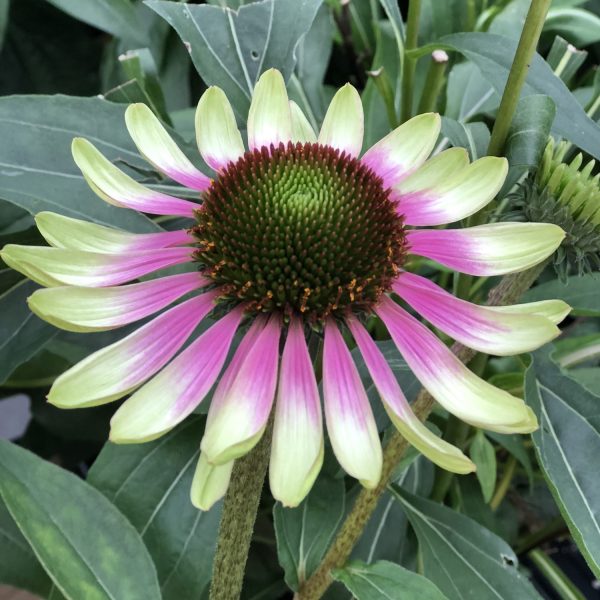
(433, 82)
(518, 73)
(237, 522)
(555, 576)
(408, 71)
(504, 484)
(508, 291)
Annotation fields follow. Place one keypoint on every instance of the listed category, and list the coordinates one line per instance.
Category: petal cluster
(95, 278)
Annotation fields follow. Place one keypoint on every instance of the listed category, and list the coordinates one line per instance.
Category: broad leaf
(385, 580)
(475, 137)
(462, 558)
(37, 171)
(528, 136)
(113, 16)
(19, 566)
(567, 444)
(580, 27)
(579, 292)
(468, 93)
(150, 483)
(22, 333)
(385, 534)
(493, 54)
(86, 545)
(482, 453)
(231, 49)
(304, 533)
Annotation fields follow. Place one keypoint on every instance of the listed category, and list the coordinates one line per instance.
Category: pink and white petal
(554, 310)
(403, 150)
(452, 384)
(483, 328)
(92, 309)
(59, 266)
(297, 450)
(344, 123)
(237, 421)
(171, 395)
(425, 201)
(218, 137)
(442, 453)
(210, 483)
(159, 148)
(116, 370)
(302, 130)
(269, 118)
(64, 232)
(350, 422)
(493, 249)
(115, 187)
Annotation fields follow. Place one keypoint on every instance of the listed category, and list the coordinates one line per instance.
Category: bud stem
(408, 72)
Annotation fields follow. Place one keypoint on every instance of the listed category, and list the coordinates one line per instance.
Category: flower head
(296, 238)
(568, 195)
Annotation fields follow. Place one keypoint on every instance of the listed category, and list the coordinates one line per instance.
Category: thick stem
(508, 291)
(433, 82)
(408, 71)
(518, 72)
(237, 522)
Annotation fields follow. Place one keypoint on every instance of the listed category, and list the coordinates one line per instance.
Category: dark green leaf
(579, 292)
(385, 534)
(86, 545)
(528, 136)
(116, 17)
(22, 333)
(566, 444)
(475, 137)
(462, 558)
(513, 443)
(588, 377)
(4, 6)
(483, 455)
(385, 580)
(304, 533)
(19, 566)
(150, 483)
(493, 54)
(580, 27)
(231, 49)
(37, 171)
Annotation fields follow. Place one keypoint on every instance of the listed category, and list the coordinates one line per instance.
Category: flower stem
(384, 87)
(237, 521)
(504, 484)
(556, 577)
(518, 72)
(408, 72)
(433, 82)
(508, 291)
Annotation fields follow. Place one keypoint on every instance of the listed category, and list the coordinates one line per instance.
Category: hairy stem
(237, 522)
(408, 71)
(508, 291)
(518, 73)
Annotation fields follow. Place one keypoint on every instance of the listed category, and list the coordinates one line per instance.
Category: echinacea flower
(295, 238)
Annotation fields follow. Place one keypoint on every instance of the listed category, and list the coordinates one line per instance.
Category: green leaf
(461, 557)
(565, 59)
(493, 54)
(304, 533)
(150, 484)
(483, 455)
(566, 443)
(579, 292)
(257, 37)
(19, 566)
(37, 171)
(22, 333)
(475, 137)
(468, 93)
(4, 6)
(384, 536)
(580, 27)
(385, 580)
(513, 443)
(588, 377)
(528, 136)
(116, 17)
(86, 545)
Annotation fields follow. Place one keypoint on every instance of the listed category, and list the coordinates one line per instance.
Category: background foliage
(82, 518)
